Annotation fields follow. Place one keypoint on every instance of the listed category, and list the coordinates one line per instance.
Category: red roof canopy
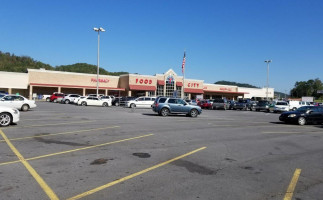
(160, 82)
(179, 83)
(191, 90)
(142, 87)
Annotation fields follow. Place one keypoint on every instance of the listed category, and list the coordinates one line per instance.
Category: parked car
(141, 102)
(262, 105)
(69, 98)
(8, 115)
(205, 104)
(46, 97)
(220, 104)
(121, 101)
(167, 105)
(243, 104)
(281, 106)
(17, 101)
(303, 115)
(293, 105)
(231, 104)
(56, 97)
(94, 101)
(78, 98)
(191, 102)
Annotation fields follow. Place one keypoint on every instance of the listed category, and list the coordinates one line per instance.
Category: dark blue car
(168, 105)
(303, 115)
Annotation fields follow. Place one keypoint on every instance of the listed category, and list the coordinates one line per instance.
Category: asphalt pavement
(60, 151)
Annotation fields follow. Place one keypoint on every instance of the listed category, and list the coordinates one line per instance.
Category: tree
(307, 88)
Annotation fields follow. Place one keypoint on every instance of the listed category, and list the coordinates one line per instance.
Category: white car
(8, 115)
(78, 98)
(17, 101)
(141, 102)
(69, 98)
(281, 106)
(94, 101)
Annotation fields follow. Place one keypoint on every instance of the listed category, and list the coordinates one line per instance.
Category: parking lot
(60, 151)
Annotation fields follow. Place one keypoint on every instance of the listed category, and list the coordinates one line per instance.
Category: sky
(224, 40)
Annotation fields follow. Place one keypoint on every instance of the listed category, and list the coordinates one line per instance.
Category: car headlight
(292, 115)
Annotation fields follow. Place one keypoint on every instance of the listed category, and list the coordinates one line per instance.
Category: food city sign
(193, 85)
(226, 89)
(144, 81)
(101, 80)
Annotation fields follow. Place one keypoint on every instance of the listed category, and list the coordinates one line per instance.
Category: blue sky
(224, 40)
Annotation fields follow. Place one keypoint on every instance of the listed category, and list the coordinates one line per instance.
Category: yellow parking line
(62, 133)
(281, 132)
(132, 175)
(79, 149)
(50, 193)
(292, 185)
(79, 122)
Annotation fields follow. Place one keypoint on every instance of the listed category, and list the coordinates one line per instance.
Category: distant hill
(12, 63)
(235, 83)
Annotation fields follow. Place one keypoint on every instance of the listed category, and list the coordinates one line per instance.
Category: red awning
(190, 90)
(225, 92)
(180, 84)
(75, 86)
(142, 87)
(160, 82)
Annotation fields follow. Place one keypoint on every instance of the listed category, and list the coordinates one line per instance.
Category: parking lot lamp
(267, 61)
(97, 75)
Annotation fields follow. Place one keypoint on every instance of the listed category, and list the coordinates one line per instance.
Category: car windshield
(1, 95)
(304, 109)
(282, 103)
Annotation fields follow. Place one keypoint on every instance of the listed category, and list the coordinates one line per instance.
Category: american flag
(183, 63)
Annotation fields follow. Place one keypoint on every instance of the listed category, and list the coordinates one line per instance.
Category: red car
(205, 104)
(56, 96)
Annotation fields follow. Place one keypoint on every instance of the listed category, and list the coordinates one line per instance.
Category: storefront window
(169, 88)
(160, 90)
(151, 94)
(179, 91)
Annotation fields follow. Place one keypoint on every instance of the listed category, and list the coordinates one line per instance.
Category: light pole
(267, 61)
(97, 75)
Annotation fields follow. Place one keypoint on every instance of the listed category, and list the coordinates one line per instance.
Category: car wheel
(48, 99)
(83, 103)
(194, 113)
(24, 107)
(164, 112)
(293, 109)
(116, 104)
(5, 119)
(67, 101)
(257, 110)
(301, 121)
(132, 105)
(55, 100)
(105, 104)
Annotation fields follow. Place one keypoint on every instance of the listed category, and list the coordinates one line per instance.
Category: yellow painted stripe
(132, 175)
(79, 122)
(50, 193)
(79, 149)
(292, 185)
(281, 132)
(62, 133)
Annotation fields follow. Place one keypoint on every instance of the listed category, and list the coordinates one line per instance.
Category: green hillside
(12, 63)
(236, 84)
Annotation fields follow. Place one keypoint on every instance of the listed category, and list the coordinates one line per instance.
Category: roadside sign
(320, 91)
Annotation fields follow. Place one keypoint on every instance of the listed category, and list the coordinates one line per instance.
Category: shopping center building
(43, 82)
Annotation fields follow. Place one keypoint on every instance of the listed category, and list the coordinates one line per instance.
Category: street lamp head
(101, 29)
(95, 29)
(267, 61)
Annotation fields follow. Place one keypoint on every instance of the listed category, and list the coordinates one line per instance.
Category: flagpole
(183, 71)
